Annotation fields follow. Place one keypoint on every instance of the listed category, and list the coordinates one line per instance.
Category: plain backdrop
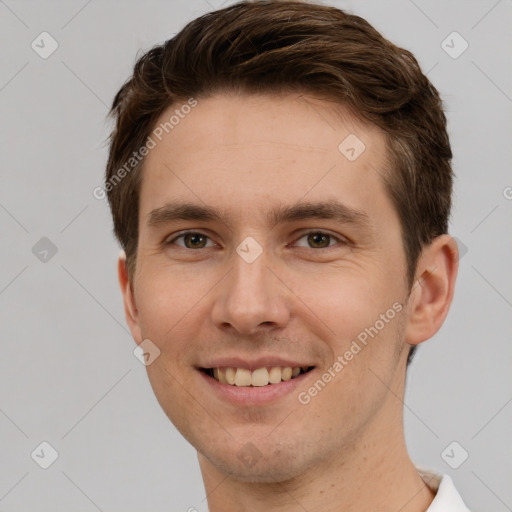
(68, 373)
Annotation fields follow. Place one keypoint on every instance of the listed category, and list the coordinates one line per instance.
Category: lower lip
(254, 395)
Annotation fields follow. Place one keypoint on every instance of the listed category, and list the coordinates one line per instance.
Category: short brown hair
(274, 46)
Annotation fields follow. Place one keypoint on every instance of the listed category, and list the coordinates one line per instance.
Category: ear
(433, 290)
(130, 308)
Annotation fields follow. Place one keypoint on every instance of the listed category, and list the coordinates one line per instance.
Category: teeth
(259, 377)
(287, 373)
(243, 377)
(221, 375)
(275, 375)
(230, 376)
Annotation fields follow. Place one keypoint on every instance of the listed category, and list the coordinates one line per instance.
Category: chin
(268, 464)
(267, 472)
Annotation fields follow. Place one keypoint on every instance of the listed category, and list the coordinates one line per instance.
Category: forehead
(293, 121)
(243, 151)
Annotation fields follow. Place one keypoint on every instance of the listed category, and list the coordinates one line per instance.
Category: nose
(252, 297)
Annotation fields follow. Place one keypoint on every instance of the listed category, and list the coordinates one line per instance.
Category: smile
(243, 377)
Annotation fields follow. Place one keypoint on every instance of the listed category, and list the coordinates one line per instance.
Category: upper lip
(253, 363)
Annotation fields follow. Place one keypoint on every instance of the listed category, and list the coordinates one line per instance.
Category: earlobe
(433, 290)
(130, 307)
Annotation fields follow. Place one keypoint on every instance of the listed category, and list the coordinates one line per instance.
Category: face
(301, 271)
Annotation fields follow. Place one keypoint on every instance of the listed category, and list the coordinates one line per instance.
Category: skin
(302, 299)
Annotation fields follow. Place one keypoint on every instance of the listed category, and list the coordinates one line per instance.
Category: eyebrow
(331, 209)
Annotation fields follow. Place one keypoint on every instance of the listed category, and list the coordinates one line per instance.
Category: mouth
(259, 377)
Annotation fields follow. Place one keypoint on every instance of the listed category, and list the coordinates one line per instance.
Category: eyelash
(316, 232)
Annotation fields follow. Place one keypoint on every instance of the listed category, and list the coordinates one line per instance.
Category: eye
(191, 239)
(197, 240)
(319, 239)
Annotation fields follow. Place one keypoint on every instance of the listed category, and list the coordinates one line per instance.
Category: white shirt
(446, 499)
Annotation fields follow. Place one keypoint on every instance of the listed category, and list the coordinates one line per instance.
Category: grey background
(68, 373)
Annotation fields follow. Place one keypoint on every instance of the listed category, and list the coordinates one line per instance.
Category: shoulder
(447, 498)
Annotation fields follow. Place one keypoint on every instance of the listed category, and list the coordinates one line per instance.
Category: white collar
(446, 499)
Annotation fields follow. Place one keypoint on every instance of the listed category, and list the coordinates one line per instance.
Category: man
(280, 182)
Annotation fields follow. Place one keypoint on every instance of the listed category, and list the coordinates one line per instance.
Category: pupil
(315, 236)
(195, 237)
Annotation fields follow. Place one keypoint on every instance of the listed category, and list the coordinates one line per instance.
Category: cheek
(165, 307)
(347, 300)
(166, 316)
(363, 313)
